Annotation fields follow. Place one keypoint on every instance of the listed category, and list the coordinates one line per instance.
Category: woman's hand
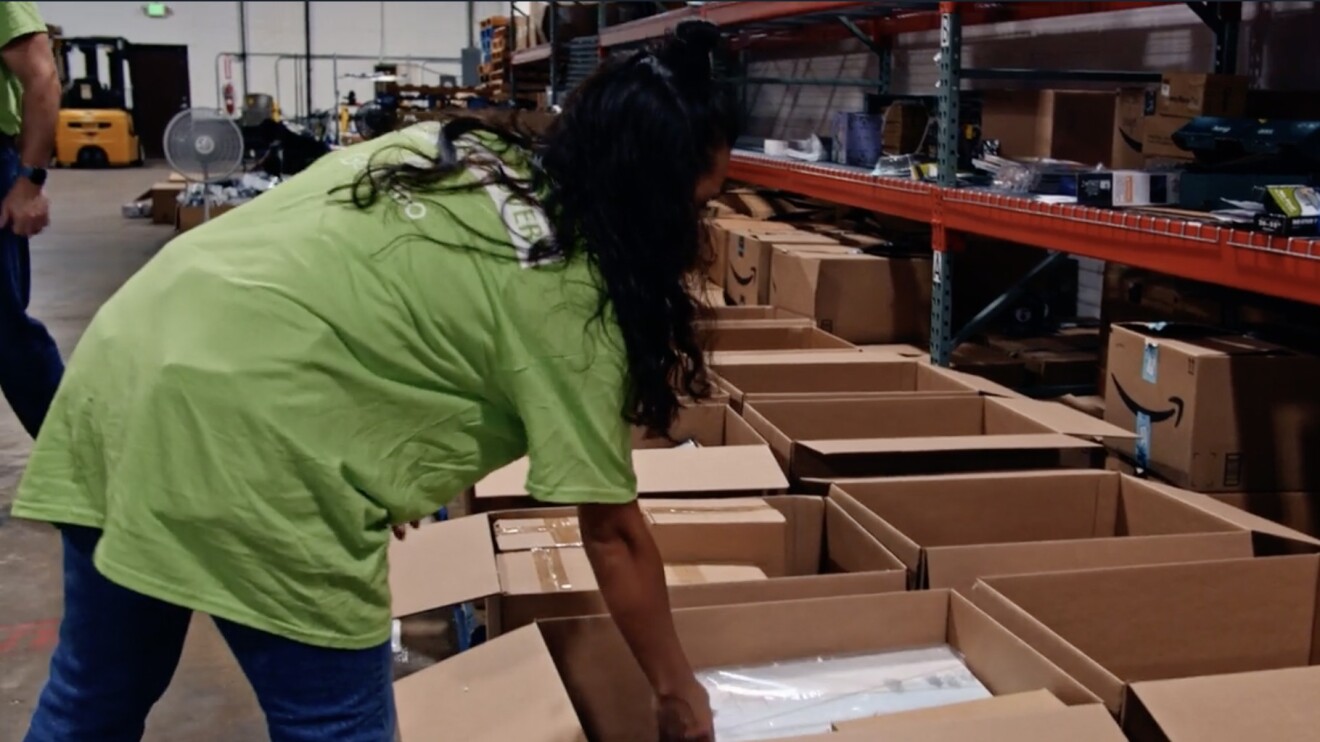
(685, 716)
(401, 532)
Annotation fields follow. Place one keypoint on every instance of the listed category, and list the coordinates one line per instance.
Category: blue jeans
(30, 365)
(118, 650)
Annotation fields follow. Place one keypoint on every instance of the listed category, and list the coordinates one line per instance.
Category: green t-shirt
(16, 19)
(246, 417)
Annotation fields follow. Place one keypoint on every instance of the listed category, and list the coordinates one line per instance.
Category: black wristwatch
(37, 175)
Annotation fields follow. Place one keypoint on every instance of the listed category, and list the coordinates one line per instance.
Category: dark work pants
(30, 365)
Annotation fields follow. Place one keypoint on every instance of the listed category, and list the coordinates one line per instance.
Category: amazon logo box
(749, 250)
(1215, 411)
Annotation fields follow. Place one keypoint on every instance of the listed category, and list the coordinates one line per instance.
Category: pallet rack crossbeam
(1004, 300)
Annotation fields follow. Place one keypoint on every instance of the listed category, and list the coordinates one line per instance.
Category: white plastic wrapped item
(800, 697)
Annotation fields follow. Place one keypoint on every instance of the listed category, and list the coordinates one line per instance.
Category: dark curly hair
(617, 173)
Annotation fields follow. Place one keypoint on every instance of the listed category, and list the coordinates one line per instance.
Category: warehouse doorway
(158, 74)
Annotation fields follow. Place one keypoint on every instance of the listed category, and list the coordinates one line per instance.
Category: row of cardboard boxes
(1090, 590)
(869, 571)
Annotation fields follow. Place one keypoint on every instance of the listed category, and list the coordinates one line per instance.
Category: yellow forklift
(96, 126)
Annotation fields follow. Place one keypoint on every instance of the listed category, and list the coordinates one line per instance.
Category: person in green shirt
(30, 363)
(246, 419)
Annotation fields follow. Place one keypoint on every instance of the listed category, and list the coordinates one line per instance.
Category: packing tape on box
(678, 510)
(550, 570)
(562, 531)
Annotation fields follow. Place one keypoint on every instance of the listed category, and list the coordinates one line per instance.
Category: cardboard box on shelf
(1109, 628)
(905, 127)
(748, 203)
(1134, 105)
(732, 337)
(582, 665)
(730, 459)
(989, 363)
(1059, 359)
(1120, 188)
(860, 298)
(951, 530)
(1157, 138)
(1268, 705)
(1190, 94)
(1212, 410)
(850, 375)
(823, 552)
(749, 251)
(1062, 124)
(819, 441)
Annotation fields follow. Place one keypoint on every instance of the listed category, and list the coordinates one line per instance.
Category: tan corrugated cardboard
(1111, 627)
(716, 236)
(1157, 138)
(951, 530)
(1131, 129)
(1012, 704)
(1076, 724)
(555, 570)
(1191, 94)
(737, 337)
(851, 374)
(613, 699)
(468, 697)
(753, 313)
(831, 439)
(748, 258)
(818, 541)
(1062, 124)
(1220, 411)
(1296, 510)
(1274, 705)
(730, 459)
(860, 298)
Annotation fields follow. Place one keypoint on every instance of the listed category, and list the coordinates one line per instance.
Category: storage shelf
(1276, 266)
(532, 54)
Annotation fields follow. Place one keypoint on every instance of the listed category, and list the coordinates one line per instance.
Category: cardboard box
(1061, 124)
(1157, 141)
(1134, 105)
(989, 363)
(164, 199)
(1214, 411)
(1297, 510)
(1110, 628)
(818, 441)
(730, 459)
(905, 127)
(950, 530)
(748, 203)
(860, 298)
(582, 665)
(1013, 704)
(749, 260)
(540, 572)
(1272, 705)
(730, 337)
(188, 217)
(1190, 94)
(742, 530)
(716, 235)
(750, 316)
(1089, 723)
(848, 375)
(825, 552)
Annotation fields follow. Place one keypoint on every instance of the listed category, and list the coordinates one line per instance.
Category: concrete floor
(86, 254)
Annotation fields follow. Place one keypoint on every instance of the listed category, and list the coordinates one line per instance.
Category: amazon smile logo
(740, 279)
(1155, 416)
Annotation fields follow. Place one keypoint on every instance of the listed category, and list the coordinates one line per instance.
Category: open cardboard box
(950, 530)
(576, 675)
(1032, 716)
(1112, 628)
(731, 459)
(730, 337)
(817, 441)
(823, 552)
(851, 375)
(1274, 705)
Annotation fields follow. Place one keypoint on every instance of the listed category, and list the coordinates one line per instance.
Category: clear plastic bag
(798, 697)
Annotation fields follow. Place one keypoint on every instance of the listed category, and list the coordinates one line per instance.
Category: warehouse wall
(411, 29)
